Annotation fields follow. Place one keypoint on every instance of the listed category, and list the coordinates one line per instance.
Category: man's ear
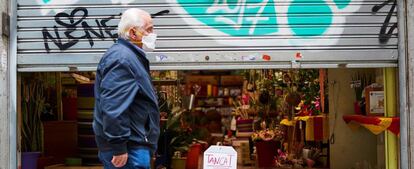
(132, 34)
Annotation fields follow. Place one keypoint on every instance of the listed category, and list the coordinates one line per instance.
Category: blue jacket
(126, 111)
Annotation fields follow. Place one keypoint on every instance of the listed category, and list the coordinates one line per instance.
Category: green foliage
(309, 88)
(283, 91)
(182, 138)
(181, 126)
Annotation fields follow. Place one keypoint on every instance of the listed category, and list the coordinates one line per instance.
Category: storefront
(71, 36)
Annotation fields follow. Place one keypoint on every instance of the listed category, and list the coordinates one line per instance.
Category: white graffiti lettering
(240, 8)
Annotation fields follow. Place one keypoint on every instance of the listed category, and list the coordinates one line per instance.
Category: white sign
(220, 157)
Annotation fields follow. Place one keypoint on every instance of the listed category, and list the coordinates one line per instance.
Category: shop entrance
(309, 128)
(273, 118)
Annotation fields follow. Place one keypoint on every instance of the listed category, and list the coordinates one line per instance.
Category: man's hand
(120, 160)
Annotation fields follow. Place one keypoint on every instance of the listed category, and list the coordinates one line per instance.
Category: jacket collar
(138, 51)
(133, 47)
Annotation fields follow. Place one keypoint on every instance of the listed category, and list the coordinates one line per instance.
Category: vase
(266, 153)
(178, 162)
(29, 160)
(193, 156)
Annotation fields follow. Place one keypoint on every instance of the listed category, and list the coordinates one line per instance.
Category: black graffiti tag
(385, 35)
(71, 23)
(75, 21)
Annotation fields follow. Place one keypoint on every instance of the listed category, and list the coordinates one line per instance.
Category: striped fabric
(317, 127)
(374, 124)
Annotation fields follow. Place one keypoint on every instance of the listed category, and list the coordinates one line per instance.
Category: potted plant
(267, 142)
(175, 139)
(33, 104)
(185, 131)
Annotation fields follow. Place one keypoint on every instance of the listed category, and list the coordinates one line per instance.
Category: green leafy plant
(33, 105)
(181, 133)
(182, 125)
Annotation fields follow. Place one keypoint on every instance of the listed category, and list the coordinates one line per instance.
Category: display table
(375, 124)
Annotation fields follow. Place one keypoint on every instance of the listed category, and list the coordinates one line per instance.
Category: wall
(350, 147)
(4, 115)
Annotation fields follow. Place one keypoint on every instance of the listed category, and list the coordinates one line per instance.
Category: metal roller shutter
(64, 35)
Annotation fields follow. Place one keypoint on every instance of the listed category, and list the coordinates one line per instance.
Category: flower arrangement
(242, 111)
(310, 93)
(282, 160)
(277, 94)
(312, 108)
(276, 134)
(263, 135)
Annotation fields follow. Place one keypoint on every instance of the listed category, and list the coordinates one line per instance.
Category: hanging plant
(310, 92)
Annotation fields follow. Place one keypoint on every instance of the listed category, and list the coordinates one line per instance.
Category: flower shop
(286, 84)
(273, 118)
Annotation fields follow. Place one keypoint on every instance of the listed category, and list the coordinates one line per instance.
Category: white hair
(132, 17)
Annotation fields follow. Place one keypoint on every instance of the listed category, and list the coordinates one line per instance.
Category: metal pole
(390, 95)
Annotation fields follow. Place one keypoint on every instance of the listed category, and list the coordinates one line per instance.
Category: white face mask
(148, 42)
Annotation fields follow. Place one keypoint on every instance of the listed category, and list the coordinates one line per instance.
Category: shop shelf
(164, 82)
(201, 106)
(214, 96)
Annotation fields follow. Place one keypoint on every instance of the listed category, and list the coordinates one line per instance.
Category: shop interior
(274, 118)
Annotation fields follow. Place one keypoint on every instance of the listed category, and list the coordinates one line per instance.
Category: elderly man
(126, 116)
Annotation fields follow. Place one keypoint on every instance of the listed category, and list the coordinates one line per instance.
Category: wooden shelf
(68, 84)
(214, 96)
(231, 85)
(204, 106)
(164, 82)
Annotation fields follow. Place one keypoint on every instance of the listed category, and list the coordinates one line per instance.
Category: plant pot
(29, 160)
(178, 163)
(193, 156)
(266, 152)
